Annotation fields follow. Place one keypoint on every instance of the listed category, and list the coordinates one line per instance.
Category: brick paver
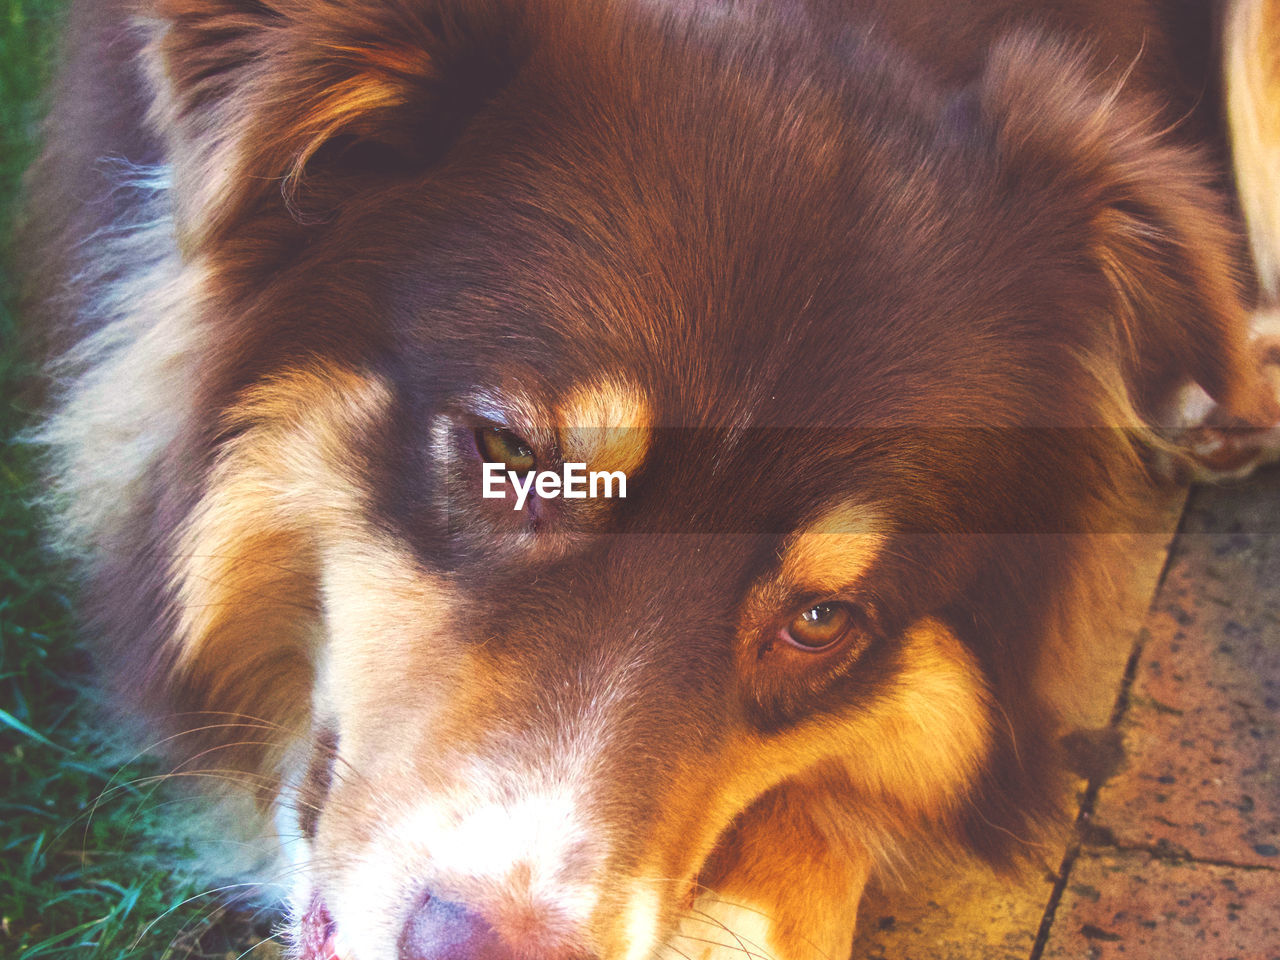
(1181, 855)
(1138, 907)
(1201, 730)
(967, 916)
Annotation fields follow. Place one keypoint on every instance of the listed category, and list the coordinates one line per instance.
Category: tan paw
(1220, 446)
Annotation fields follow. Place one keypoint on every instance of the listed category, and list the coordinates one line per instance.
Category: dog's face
(846, 334)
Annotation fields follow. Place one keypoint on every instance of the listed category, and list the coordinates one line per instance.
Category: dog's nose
(440, 930)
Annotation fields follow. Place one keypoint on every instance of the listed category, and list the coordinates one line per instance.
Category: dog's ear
(251, 93)
(1142, 207)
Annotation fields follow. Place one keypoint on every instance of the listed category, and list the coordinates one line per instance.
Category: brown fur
(878, 304)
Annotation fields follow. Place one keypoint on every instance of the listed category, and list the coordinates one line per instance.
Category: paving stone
(1133, 905)
(972, 914)
(1202, 730)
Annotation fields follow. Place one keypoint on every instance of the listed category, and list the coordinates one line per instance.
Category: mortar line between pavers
(1160, 855)
(1055, 897)
(1118, 710)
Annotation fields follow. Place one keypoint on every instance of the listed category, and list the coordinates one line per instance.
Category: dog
(887, 317)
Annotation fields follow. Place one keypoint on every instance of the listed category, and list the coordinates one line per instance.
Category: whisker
(675, 950)
(207, 917)
(708, 918)
(108, 787)
(716, 943)
(212, 891)
(708, 894)
(274, 936)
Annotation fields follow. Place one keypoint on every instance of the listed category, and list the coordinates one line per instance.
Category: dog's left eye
(820, 626)
(497, 445)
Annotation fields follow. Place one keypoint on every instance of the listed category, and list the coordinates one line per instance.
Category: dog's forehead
(814, 278)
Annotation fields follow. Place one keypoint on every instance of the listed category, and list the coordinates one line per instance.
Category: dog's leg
(1218, 445)
(784, 885)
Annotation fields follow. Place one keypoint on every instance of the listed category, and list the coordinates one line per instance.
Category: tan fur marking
(1251, 61)
(281, 476)
(245, 563)
(607, 425)
(789, 885)
(923, 741)
(834, 551)
(383, 609)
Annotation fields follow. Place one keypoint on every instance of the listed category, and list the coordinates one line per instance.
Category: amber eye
(820, 626)
(497, 445)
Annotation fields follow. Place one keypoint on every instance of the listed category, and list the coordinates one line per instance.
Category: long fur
(878, 310)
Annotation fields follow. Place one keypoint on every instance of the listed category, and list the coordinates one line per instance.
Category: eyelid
(802, 601)
(512, 409)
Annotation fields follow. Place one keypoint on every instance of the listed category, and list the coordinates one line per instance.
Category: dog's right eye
(498, 445)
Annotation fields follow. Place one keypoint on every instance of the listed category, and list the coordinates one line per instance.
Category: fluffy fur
(879, 305)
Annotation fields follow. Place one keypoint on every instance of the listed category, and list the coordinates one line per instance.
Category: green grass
(85, 870)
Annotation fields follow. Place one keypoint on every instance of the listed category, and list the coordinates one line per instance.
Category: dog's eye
(497, 445)
(820, 626)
